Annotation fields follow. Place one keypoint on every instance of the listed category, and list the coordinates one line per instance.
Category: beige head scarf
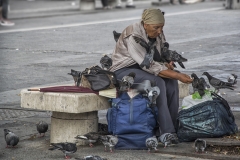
(153, 16)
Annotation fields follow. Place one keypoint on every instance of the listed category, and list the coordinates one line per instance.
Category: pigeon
(91, 137)
(116, 35)
(66, 148)
(109, 140)
(150, 50)
(92, 157)
(217, 83)
(163, 59)
(76, 76)
(170, 55)
(42, 127)
(200, 145)
(232, 79)
(127, 82)
(144, 87)
(168, 139)
(10, 138)
(153, 94)
(103, 129)
(151, 143)
(106, 62)
(199, 84)
(203, 83)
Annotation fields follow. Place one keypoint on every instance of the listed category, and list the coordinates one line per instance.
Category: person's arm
(175, 75)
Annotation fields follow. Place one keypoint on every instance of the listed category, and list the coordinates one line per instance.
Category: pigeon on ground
(150, 50)
(200, 145)
(217, 83)
(76, 76)
(168, 139)
(10, 138)
(170, 55)
(91, 137)
(42, 127)
(116, 35)
(151, 143)
(232, 79)
(106, 62)
(66, 148)
(92, 157)
(103, 129)
(109, 140)
(199, 84)
(127, 82)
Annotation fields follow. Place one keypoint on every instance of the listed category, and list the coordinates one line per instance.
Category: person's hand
(184, 78)
(169, 65)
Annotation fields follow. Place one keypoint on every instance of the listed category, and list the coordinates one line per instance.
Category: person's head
(153, 22)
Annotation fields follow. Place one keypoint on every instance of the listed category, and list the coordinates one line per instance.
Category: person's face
(153, 30)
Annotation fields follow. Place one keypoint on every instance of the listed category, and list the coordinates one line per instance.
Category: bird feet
(67, 157)
(91, 145)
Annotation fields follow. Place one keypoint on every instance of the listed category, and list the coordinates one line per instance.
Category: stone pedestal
(183, 89)
(66, 126)
(86, 5)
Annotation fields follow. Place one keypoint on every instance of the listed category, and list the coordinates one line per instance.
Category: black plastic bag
(206, 120)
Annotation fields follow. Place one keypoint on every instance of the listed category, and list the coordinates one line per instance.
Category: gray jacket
(127, 52)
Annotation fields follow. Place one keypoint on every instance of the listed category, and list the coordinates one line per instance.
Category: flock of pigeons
(200, 85)
(67, 148)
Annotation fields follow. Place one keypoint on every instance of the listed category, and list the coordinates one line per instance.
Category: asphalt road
(41, 51)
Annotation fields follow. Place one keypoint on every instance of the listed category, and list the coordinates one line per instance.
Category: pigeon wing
(142, 42)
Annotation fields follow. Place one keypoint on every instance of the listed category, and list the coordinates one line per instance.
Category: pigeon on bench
(150, 50)
(10, 138)
(66, 148)
(91, 137)
(200, 145)
(42, 127)
(116, 35)
(109, 140)
(76, 76)
(152, 143)
(217, 83)
(106, 62)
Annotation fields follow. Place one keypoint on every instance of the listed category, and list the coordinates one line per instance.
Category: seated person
(128, 57)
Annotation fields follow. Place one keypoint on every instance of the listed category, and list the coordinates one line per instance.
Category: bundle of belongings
(205, 114)
(133, 113)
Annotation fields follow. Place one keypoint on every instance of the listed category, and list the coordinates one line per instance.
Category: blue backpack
(132, 120)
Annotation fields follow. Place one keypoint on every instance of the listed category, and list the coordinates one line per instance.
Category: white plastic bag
(188, 101)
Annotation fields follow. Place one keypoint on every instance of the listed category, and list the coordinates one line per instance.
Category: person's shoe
(168, 139)
(6, 23)
(130, 6)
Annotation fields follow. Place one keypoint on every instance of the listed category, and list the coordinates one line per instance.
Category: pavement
(22, 121)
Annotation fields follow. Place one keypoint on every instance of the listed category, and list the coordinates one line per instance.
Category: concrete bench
(72, 113)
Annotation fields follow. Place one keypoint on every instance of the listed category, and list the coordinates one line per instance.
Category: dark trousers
(104, 3)
(4, 5)
(167, 101)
